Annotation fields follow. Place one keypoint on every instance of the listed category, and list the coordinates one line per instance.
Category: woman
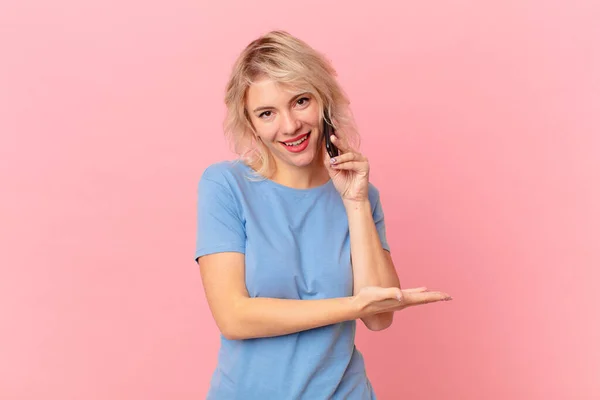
(291, 243)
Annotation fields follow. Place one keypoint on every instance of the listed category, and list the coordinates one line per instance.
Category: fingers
(351, 166)
(346, 157)
(350, 162)
(341, 143)
(376, 293)
(416, 298)
(374, 299)
(415, 290)
(390, 293)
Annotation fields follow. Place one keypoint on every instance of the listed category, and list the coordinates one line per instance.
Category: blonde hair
(288, 60)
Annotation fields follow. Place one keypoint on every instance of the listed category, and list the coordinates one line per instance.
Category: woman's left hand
(349, 172)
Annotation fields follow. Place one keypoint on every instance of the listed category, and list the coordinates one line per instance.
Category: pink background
(481, 121)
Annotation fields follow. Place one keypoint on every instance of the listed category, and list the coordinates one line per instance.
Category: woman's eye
(302, 101)
(265, 114)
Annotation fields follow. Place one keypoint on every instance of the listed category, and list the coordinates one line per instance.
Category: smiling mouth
(297, 142)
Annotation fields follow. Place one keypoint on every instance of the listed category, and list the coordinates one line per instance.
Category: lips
(296, 138)
(300, 143)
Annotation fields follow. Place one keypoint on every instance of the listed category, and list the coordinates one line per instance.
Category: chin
(305, 160)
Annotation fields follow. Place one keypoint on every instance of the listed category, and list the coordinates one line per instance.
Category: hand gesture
(349, 171)
(374, 300)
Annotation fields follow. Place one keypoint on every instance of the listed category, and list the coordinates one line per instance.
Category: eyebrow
(263, 108)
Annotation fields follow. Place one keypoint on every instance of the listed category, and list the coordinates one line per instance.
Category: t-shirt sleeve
(379, 219)
(220, 225)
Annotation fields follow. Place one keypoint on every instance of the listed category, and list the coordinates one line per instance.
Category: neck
(312, 175)
(301, 178)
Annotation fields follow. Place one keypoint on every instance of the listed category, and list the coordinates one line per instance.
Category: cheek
(267, 132)
(264, 129)
(312, 116)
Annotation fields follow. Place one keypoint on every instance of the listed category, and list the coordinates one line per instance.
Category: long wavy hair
(286, 59)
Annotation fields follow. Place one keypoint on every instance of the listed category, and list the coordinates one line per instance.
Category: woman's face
(285, 121)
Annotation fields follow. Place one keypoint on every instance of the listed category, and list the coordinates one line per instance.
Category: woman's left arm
(371, 263)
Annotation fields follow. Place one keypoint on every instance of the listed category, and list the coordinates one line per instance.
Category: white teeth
(297, 142)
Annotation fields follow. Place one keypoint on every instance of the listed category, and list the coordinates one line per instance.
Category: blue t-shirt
(297, 246)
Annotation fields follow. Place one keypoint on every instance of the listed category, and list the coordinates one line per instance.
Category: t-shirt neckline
(287, 188)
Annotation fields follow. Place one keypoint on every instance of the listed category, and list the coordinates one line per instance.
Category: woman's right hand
(374, 300)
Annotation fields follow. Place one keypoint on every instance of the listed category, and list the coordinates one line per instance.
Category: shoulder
(220, 188)
(222, 170)
(229, 173)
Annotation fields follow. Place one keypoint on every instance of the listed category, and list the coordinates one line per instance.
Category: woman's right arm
(239, 316)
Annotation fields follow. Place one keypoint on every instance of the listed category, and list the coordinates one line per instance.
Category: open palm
(374, 300)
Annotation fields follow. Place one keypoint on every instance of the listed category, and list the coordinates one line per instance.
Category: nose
(289, 123)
